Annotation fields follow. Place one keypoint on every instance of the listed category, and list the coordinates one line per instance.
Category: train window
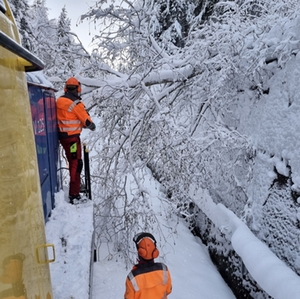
(2, 6)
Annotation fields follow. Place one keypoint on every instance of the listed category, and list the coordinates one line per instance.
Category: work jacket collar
(73, 97)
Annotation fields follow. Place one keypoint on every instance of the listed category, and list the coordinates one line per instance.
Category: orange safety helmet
(146, 246)
(72, 83)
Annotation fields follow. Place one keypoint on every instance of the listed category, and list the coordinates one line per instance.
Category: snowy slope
(70, 229)
(193, 274)
(271, 273)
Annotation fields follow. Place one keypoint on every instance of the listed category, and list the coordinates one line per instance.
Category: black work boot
(72, 197)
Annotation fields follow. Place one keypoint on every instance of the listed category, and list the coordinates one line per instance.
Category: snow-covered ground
(193, 274)
(70, 228)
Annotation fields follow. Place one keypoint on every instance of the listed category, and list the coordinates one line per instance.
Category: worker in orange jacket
(147, 279)
(72, 117)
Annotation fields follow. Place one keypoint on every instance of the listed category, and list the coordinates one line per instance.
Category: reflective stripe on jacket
(149, 280)
(71, 115)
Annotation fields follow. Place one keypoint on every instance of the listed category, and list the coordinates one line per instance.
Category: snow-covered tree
(43, 30)
(20, 10)
(56, 44)
(195, 112)
(184, 114)
(69, 54)
(155, 107)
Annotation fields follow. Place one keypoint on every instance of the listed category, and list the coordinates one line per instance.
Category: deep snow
(70, 228)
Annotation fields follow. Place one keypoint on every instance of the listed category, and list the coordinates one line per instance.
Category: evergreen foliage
(20, 9)
(51, 40)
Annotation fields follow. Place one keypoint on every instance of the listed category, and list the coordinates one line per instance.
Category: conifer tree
(20, 9)
(43, 31)
(66, 45)
(174, 19)
(70, 55)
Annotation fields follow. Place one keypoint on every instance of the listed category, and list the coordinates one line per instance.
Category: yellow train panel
(23, 253)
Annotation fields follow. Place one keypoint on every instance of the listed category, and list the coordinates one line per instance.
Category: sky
(74, 8)
(70, 229)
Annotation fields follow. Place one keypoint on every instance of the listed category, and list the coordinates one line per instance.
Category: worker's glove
(92, 126)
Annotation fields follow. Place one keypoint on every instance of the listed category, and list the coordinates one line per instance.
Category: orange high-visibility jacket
(148, 281)
(71, 115)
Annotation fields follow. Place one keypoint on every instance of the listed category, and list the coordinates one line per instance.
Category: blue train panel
(43, 110)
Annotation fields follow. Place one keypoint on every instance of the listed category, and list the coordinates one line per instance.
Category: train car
(43, 111)
(24, 253)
